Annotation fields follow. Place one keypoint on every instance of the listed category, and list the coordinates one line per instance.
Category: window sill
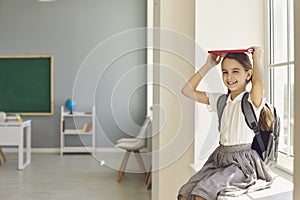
(282, 188)
(285, 163)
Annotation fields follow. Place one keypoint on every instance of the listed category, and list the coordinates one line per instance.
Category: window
(281, 73)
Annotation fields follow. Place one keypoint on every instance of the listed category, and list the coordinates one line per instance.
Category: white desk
(12, 134)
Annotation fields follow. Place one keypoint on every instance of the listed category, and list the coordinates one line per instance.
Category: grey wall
(81, 34)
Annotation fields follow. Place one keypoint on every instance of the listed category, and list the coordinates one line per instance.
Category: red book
(222, 53)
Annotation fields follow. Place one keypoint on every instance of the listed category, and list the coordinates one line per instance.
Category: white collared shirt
(234, 129)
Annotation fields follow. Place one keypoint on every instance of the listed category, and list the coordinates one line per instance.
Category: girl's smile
(231, 83)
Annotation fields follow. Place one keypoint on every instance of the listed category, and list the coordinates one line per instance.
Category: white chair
(134, 145)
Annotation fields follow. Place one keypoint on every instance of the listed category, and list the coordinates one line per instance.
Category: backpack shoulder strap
(250, 119)
(221, 103)
(248, 112)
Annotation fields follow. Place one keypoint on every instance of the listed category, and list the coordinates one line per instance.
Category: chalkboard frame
(48, 60)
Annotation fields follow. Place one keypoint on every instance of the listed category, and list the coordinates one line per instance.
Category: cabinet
(80, 125)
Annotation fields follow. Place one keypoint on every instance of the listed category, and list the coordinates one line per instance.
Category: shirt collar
(238, 98)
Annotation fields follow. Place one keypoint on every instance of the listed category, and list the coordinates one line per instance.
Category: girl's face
(234, 75)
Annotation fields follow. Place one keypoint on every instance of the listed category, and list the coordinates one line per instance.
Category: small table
(12, 134)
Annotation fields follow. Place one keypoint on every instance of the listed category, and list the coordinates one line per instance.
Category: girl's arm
(256, 92)
(189, 89)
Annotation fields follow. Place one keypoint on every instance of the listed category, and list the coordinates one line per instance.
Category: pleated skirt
(229, 171)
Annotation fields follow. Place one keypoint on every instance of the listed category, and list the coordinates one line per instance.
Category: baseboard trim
(57, 150)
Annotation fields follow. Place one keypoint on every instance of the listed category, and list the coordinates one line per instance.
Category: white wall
(229, 24)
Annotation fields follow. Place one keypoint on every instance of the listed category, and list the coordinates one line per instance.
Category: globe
(70, 105)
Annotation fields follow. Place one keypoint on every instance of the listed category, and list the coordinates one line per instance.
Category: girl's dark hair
(242, 58)
(266, 118)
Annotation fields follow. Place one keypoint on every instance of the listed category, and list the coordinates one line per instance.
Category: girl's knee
(195, 198)
(199, 198)
(182, 198)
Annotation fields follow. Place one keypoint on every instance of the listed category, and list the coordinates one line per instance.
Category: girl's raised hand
(256, 52)
(213, 60)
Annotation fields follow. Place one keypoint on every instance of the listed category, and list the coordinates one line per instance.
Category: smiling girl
(233, 168)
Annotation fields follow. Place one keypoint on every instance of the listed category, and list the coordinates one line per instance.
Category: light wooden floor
(76, 177)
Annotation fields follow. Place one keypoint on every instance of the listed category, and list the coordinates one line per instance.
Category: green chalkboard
(26, 85)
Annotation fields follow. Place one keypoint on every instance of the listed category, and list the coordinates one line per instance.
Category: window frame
(285, 159)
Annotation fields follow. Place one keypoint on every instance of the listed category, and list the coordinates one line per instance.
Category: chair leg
(149, 178)
(141, 164)
(123, 166)
(2, 157)
(148, 182)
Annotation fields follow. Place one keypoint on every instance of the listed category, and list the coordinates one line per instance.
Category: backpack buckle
(255, 127)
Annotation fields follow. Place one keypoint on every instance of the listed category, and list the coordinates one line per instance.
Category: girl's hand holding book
(256, 53)
(213, 60)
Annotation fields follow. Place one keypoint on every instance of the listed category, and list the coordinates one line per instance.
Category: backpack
(265, 143)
